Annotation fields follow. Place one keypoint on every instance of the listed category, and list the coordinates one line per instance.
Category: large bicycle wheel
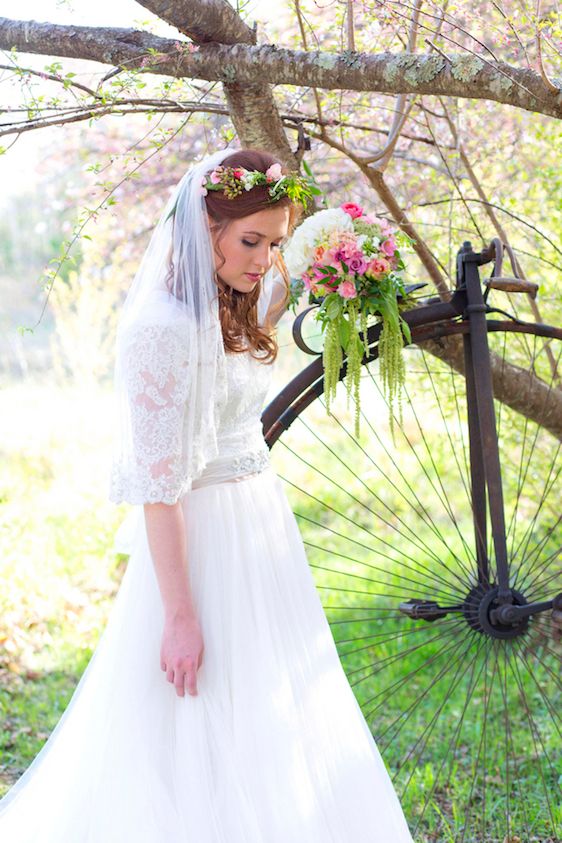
(468, 720)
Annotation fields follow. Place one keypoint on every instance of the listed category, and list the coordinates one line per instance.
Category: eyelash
(247, 243)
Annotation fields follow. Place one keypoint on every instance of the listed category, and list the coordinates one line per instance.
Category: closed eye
(247, 243)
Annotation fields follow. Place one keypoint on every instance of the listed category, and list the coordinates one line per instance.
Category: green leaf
(333, 306)
(344, 330)
(406, 331)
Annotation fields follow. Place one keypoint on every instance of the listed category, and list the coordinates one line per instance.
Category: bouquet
(353, 262)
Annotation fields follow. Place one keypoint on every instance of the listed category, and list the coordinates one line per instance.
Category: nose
(263, 259)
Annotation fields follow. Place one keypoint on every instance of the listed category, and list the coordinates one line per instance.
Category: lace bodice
(247, 384)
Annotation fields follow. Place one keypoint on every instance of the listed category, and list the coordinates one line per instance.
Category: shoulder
(159, 316)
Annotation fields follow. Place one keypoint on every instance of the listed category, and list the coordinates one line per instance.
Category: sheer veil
(169, 373)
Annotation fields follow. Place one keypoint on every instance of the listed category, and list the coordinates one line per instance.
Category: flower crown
(234, 180)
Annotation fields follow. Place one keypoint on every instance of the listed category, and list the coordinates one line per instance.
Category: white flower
(299, 251)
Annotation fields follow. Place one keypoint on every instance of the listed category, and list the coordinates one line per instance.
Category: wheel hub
(481, 600)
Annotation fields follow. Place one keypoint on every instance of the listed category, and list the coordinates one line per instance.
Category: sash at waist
(225, 469)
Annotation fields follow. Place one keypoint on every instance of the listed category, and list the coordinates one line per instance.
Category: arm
(181, 651)
(151, 471)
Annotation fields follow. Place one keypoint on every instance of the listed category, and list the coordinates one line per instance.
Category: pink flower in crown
(215, 177)
(388, 247)
(273, 173)
(347, 290)
(238, 172)
(203, 190)
(352, 209)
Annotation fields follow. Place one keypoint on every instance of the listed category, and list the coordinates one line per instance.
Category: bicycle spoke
(466, 721)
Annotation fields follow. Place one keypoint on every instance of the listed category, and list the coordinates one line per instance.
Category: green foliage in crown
(233, 181)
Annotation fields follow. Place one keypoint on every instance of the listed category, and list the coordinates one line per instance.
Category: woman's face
(249, 245)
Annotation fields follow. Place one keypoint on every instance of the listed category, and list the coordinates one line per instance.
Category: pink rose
(347, 290)
(358, 264)
(378, 266)
(273, 173)
(238, 172)
(215, 177)
(352, 209)
(388, 247)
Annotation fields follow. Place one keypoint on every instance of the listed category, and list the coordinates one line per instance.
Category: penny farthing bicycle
(437, 555)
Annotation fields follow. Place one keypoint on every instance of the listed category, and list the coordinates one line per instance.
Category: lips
(253, 276)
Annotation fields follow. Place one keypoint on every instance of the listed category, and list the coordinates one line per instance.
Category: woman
(268, 745)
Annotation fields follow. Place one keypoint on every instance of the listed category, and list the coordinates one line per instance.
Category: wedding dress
(274, 747)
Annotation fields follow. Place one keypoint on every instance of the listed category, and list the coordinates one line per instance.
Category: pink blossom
(386, 227)
(309, 284)
(273, 173)
(347, 290)
(358, 264)
(388, 247)
(215, 177)
(352, 209)
(378, 266)
(203, 191)
(238, 172)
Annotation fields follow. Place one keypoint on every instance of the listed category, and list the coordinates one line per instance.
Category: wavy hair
(238, 310)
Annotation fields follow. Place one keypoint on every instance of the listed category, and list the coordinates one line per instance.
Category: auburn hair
(237, 310)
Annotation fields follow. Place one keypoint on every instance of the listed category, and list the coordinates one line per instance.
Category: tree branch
(203, 21)
(456, 75)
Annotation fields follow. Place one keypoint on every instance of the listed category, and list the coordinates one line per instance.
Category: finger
(170, 674)
(179, 683)
(191, 679)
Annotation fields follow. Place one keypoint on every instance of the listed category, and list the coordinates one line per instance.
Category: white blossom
(299, 251)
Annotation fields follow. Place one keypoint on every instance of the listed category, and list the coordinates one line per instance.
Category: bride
(215, 708)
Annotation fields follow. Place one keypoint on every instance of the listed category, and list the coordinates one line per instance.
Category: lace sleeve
(156, 375)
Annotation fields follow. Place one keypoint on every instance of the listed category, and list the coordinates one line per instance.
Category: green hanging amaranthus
(351, 262)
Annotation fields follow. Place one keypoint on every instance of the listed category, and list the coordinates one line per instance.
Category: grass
(58, 571)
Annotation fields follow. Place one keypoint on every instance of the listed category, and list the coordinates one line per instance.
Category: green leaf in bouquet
(406, 331)
(344, 329)
(333, 305)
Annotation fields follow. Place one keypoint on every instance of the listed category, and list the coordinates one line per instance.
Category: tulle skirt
(274, 747)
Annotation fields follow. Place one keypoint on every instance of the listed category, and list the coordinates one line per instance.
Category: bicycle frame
(485, 466)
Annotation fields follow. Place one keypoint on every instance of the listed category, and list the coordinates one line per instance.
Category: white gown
(274, 747)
